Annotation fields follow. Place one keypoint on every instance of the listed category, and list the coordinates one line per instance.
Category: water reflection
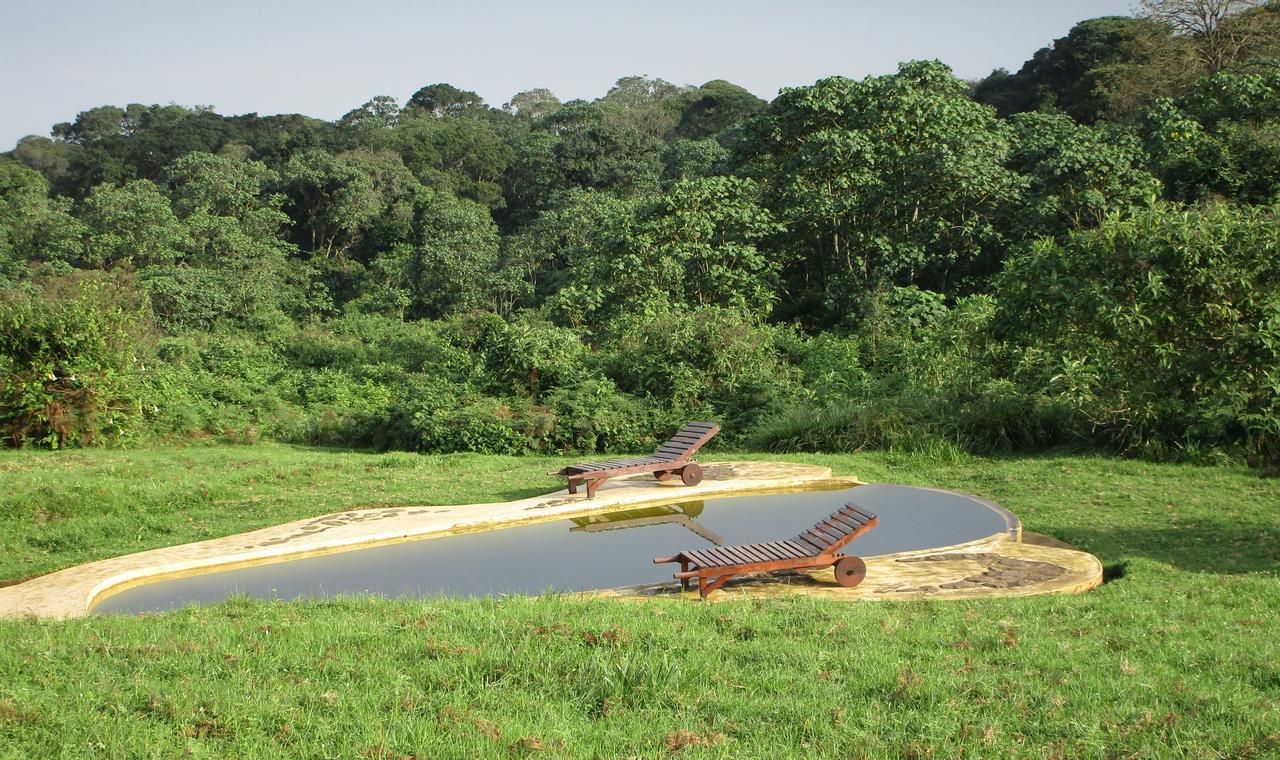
(673, 514)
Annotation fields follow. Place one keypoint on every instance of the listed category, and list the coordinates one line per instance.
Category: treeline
(1081, 254)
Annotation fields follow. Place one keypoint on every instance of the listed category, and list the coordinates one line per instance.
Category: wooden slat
(688, 439)
(769, 551)
(851, 516)
(845, 520)
(680, 442)
(672, 452)
(854, 512)
(699, 558)
(802, 538)
(804, 547)
(810, 535)
(826, 539)
(757, 553)
(835, 528)
(786, 550)
(828, 532)
(780, 552)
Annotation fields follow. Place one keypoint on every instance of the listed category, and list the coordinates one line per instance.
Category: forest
(1080, 255)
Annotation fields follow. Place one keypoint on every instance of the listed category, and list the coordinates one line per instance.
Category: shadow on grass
(1199, 546)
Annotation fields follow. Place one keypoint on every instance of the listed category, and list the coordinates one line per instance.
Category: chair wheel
(850, 571)
(661, 475)
(691, 474)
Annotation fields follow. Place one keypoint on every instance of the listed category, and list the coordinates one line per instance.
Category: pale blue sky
(323, 58)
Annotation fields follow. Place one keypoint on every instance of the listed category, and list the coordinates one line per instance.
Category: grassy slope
(1178, 656)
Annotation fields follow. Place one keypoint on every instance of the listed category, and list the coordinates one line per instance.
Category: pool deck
(1000, 565)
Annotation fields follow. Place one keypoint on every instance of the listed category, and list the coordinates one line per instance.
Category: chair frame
(813, 549)
(671, 459)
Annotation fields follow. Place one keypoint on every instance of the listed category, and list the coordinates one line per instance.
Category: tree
(33, 226)
(533, 104)
(448, 266)
(445, 100)
(563, 240)
(692, 159)
(1091, 73)
(132, 225)
(696, 245)
(649, 106)
(715, 106)
(463, 156)
(1222, 138)
(51, 158)
(1078, 174)
(235, 266)
(331, 200)
(92, 125)
(1221, 31)
(895, 179)
(710, 229)
(596, 152)
(371, 123)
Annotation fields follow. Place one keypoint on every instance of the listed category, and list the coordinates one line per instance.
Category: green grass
(1177, 656)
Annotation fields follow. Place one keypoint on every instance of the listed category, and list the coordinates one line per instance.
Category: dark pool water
(605, 551)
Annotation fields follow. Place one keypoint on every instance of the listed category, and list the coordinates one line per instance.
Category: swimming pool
(585, 553)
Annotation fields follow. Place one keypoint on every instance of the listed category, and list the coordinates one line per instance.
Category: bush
(704, 363)
(1162, 330)
(69, 362)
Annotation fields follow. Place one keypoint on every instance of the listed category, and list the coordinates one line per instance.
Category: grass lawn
(1178, 655)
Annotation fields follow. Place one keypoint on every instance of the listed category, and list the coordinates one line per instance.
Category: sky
(322, 58)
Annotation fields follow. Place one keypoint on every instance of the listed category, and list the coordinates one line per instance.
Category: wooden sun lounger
(670, 459)
(813, 549)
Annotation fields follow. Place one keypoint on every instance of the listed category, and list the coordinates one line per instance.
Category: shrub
(1162, 330)
(69, 362)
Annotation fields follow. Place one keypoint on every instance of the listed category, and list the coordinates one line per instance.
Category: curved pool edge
(73, 592)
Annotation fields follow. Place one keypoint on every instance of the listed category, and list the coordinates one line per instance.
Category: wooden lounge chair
(813, 549)
(670, 459)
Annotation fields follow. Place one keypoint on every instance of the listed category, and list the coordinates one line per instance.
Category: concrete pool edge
(75, 591)
(72, 592)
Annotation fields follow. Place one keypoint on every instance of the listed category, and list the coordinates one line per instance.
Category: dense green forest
(1082, 254)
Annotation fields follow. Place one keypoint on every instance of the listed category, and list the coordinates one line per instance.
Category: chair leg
(573, 486)
(592, 485)
(705, 588)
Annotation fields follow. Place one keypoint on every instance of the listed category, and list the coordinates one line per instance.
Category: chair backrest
(841, 527)
(689, 439)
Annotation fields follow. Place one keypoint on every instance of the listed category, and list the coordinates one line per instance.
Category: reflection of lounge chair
(637, 518)
(671, 458)
(813, 549)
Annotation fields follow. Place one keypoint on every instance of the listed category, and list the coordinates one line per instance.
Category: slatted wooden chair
(814, 549)
(671, 459)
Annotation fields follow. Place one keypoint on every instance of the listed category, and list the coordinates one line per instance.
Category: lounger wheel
(661, 475)
(691, 474)
(850, 571)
